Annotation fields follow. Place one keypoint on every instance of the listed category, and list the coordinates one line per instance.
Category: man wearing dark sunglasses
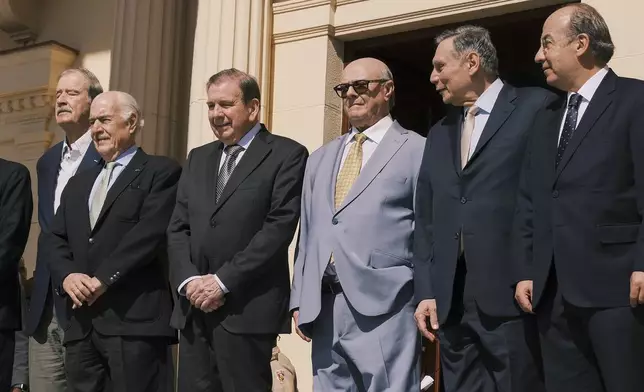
(352, 286)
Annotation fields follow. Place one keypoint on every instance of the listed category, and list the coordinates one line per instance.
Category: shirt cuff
(184, 283)
(223, 288)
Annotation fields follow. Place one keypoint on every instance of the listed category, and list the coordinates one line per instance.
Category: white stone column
(229, 33)
(146, 62)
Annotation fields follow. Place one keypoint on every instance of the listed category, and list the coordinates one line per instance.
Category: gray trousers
(47, 357)
(356, 353)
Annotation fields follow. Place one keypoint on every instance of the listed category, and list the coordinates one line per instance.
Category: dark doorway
(409, 55)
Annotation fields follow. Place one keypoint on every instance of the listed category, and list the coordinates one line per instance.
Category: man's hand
(637, 288)
(208, 296)
(523, 295)
(427, 309)
(98, 289)
(296, 318)
(79, 287)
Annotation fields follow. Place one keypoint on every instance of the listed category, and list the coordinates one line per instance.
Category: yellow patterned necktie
(350, 170)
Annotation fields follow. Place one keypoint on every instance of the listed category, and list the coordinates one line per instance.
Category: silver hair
(94, 85)
(476, 39)
(129, 107)
(585, 19)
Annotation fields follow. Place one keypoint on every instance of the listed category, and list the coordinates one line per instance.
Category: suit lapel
(212, 171)
(395, 137)
(334, 161)
(50, 177)
(601, 100)
(129, 174)
(90, 160)
(257, 151)
(453, 122)
(501, 111)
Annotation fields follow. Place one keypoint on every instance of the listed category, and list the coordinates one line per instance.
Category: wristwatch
(21, 387)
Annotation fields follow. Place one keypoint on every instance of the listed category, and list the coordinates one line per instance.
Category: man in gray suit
(352, 285)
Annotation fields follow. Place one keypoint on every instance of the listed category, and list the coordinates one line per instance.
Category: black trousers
(482, 353)
(119, 364)
(590, 349)
(212, 359)
(7, 346)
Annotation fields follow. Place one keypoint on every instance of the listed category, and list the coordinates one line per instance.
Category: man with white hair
(109, 260)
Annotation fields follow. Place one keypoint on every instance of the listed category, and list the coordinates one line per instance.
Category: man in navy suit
(465, 202)
(581, 208)
(75, 91)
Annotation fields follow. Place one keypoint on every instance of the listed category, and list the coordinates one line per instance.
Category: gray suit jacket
(371, 233)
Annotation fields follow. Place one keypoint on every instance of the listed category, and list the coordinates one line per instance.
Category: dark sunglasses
(359, 86)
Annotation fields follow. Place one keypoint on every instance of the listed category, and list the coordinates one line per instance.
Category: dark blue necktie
(569, 125)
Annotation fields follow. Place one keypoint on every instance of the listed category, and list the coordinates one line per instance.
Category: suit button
(212, 223)
(555, 194)
(463, 200)
(456, 235)
(334, 221)
(91, 240)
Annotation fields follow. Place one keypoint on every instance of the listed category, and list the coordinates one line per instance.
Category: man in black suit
(76, 89)
(465, 207)
(108, 258)
(16, 208)
(237, 208)
(580, 213)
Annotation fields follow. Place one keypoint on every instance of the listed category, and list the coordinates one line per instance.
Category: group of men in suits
(527, 246)
(511, 235)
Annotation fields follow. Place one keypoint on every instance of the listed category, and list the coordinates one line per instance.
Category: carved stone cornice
(26, 100)
(297, 35)
(20, 19)
(297, 5)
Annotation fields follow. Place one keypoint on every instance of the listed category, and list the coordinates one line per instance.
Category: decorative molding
(297, 5)
(418, 16)
(298, 35)
(26, 101)
(345, 2)
(20, 19)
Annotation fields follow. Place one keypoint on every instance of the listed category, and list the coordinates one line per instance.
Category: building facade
(163, 51)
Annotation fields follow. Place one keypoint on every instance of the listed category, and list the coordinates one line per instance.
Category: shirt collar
(375, 133)
(487, 100)
(80, 145)
(590, 87)
(125, 158)
(244, 142)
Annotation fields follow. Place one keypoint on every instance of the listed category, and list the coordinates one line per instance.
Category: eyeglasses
(359, 86)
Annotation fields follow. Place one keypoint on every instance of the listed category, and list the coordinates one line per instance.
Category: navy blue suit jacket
(47, 170)
(477, 202)
(585, 216)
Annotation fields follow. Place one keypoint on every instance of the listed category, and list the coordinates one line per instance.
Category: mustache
(63, 109)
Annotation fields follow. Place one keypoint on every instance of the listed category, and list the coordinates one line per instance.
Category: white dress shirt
(485, 103)
(374, 135)
(244, 142)
(71, 158)
(586, 91)
(121, 163)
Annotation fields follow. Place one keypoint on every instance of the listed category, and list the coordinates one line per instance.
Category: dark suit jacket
(47, 169)
(478, 202)
(586, 214)
(16, 208)
(126, 250)
(244, 238)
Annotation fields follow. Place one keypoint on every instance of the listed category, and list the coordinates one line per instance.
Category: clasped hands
(205, 293)
(81, 288)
